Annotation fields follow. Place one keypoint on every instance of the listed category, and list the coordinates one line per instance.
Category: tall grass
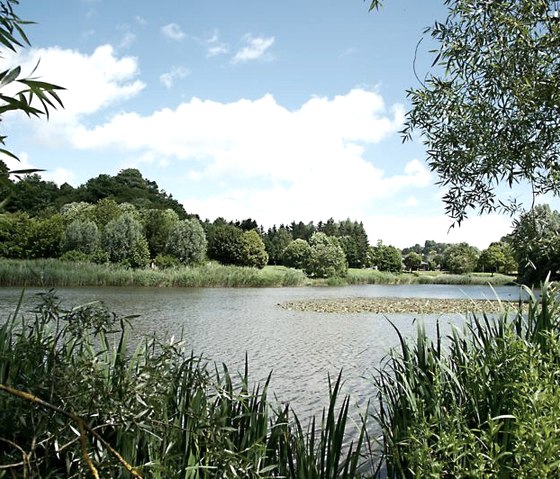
(51, 272)
(77, 401)
(368, 276)
(483, 402)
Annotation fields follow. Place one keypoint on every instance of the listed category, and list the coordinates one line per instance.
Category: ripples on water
(300, 348)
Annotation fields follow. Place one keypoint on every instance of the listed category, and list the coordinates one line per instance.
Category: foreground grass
(486, 404)
(76, 401)
(55, 273)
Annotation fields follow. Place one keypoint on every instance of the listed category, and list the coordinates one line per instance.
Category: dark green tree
(296, 254)
(225, 243)
(460, 258)
(497, 258)
(276, 240)
(157, 226)
(536, 243)
(386, 258)
(412, 261)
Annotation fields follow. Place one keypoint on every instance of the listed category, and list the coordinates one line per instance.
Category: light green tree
(460, 258)
(81, 235)
(412, 261)
(187, 242)
(326, 257)
(157, 226)
(124, 242)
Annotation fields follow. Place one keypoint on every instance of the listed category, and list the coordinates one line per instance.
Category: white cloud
(255, 48)
(91, 82)
(215, 47)
(127, 40)
(176, 73)
(173, 31)
(478, 231)
(59, 175)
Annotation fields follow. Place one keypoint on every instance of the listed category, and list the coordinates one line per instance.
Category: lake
(300, 348)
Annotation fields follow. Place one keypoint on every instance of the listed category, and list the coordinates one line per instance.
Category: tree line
(127, 219)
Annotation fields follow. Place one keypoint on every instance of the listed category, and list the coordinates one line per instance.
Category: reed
(480, 403)
(55, 273)
(77, 400)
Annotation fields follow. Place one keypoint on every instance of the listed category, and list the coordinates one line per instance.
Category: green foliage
(24, 94)
(77, 211)
(124, 242)
(225, 243)
(460, 258)
(296, 254)
(157, 226)
(483, 405)
(81, 235)
(488, 113)
(45, 237)
(536, 242)
(166, 261)
(498, 257)
(276, 241)
(386, 258)
(75, 256)
(326, 257)
(187, 242)
(412, 261)
(253, 253)
(73, 391)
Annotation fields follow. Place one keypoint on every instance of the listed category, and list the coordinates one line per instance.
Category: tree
(497, 258)
(276, 241)
(536, 243)
(45, 237)
(386, 258)
(460, 258)
(326, 257)
(81, 235)
(253, 252)
(187, 242)
(124, 242)
(412, 261)
(157, 226)
(296, 254)
(488, 111)
(225, 243)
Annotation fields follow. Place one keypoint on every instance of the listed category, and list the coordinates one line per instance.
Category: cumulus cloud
(173, 31)
(255, 48)
(176, 73)
(272, 162)
(91, 82)
(214, 46)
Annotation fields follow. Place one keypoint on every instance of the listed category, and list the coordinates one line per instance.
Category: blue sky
(277, 111)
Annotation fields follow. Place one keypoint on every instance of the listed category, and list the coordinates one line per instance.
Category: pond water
(300, 348)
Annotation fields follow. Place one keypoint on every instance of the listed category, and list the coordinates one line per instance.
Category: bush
(75, 256)
(187, 242)
(124, 242)
(253, 253)
(81, 235)
(326, 257)
(166, 261)
(296, 254)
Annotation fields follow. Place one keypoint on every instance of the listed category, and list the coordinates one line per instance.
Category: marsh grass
(77, 401)
(52, 272)
(369, 276)
(483, 402)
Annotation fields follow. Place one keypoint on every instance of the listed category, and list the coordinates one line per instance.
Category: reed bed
(76, 401)
(52, 272)
(368, 276)
(483, 402)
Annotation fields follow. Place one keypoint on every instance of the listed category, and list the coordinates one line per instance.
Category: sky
(276, 111)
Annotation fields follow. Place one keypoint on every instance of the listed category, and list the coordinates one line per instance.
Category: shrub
(253, 253)
(187, 242)
(326, 257)
(75, 256)
(296, 254)
(81, 235)
(124, 242)
(166, 261)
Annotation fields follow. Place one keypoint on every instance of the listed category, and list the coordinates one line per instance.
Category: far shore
(56, 273)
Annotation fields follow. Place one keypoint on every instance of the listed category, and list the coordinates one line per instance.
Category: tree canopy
(488, 111)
